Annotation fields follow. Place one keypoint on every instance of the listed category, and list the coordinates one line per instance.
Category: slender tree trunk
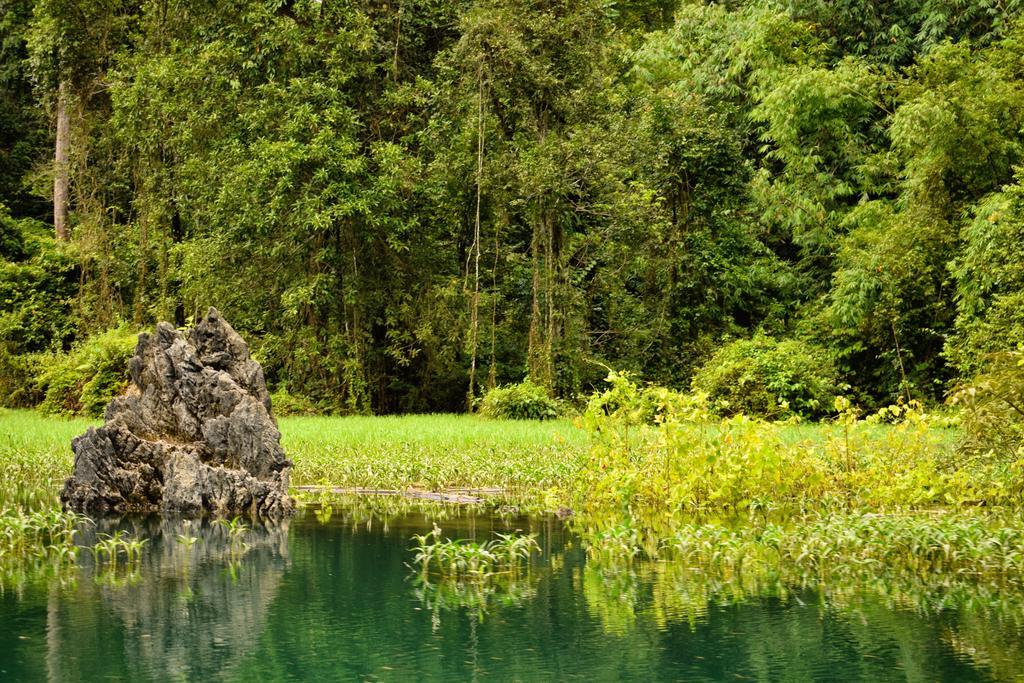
(61, 172)
(140, 291)
(177, 237)
(549, 279)
(492, 369)
(899, 357)
(474, 323)
(534, 342)
(398, 38)
(539, 353)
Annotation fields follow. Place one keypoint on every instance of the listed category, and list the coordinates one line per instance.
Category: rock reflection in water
(186, 612)
(342, 603)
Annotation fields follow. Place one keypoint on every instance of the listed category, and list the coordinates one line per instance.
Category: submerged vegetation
(452, 560)
(36, 543)
(698, 505)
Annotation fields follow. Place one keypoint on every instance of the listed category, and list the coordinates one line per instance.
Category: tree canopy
(403, 203)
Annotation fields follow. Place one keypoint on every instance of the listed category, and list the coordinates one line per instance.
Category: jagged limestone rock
(193, 433)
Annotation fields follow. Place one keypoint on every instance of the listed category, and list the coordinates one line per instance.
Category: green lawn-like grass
(431, 451)
(428, 451)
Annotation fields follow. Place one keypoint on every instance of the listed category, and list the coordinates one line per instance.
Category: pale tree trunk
(474, 323)
(61, 173)
(534, 341)
(398, 38)
(541, 336)
(492, 369)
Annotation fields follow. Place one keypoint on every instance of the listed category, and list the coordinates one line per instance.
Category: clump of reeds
(40, 542)
(460, 558)
(117, 558)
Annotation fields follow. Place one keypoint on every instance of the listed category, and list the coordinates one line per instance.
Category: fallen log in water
(461, 496)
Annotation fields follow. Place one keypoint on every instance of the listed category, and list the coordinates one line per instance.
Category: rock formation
(193, 433)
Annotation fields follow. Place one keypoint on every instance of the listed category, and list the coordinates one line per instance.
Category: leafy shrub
(18, 372)
(12, 241)
(769, 378)
(633, 403)
(84, 380)
(285, 403)
(523, 401)
(658, 475)
(38, 281)
(990, 282)
(992, 408)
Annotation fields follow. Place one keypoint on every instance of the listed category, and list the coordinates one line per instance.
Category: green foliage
(37, 290)
(629, 402)
(990, 282)
(522, 401)
(23, 134)
(85, 379)
(652, 476)
(18, 379)
(393, 202)
(286, 404)
(992, 409)
(38, 283)
(768, 378)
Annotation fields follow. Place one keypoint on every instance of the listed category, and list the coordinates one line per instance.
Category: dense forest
(402, 203)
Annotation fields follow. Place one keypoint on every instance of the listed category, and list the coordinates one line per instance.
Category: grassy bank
(662, 480)
(434, 452)
(428, 451)
(604, 465)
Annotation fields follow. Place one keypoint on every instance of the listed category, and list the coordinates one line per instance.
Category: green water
(334, 600)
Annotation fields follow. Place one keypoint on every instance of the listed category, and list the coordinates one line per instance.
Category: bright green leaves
(990, 281)
(958, 129)
(819, 127)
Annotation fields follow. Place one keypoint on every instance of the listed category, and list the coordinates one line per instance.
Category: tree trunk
(61, 173)
(534, 342)
(177, 236)
(492, 369)
(474, 324)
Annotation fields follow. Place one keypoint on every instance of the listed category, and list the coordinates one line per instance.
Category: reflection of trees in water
(190, 613)
(883, 617)
(349, 610)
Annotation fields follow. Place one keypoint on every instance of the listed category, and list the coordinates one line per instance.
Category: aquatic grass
(465, 574)
(479, 597)
(435, 452)
(236, 530)
(37, 543)
(885, 496)
(835, 546)
(673, 592)
(35, 457)
(107, 553)
(465, 559)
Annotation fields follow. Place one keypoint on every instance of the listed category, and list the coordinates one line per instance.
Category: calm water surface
(326, 600)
